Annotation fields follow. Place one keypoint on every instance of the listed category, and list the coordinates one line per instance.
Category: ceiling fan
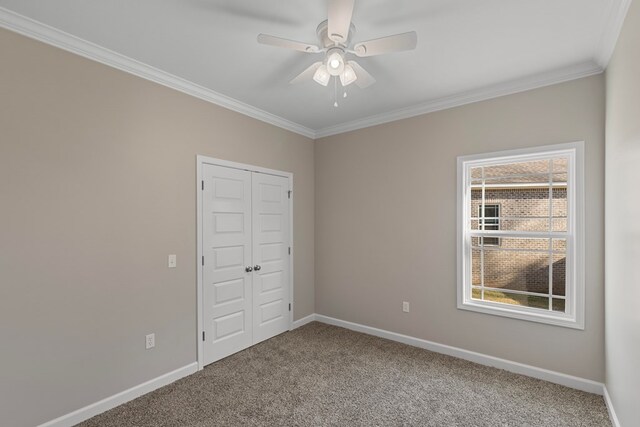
(335, 35)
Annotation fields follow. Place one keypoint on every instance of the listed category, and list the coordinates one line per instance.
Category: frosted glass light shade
(348, 76)
(322, 75)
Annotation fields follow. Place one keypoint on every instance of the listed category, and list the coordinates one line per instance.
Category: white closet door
(227, 287)
(270, 255)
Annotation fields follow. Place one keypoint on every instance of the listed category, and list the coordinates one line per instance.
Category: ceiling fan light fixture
(348, 76)
(322, 75)
(335, 62)
(335, 44)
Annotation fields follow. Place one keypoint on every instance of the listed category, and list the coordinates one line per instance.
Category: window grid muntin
(551, 257)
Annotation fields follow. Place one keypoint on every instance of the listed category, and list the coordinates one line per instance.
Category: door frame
(200, 162)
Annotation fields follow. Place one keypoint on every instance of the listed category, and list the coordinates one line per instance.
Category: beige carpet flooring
(321, 375)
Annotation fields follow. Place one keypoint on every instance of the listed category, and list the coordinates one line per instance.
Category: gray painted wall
(622, 244)
(97, 187)
(386, 224)
(97, 172)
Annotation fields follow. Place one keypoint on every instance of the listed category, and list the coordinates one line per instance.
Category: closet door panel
(227, 286)
(270, 212)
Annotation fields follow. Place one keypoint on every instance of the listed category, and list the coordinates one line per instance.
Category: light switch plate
(405, 306)
(172, 262)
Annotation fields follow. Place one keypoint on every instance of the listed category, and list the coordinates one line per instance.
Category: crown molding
(52, 36)
(469, 97)
(60, 39)
(612, 27)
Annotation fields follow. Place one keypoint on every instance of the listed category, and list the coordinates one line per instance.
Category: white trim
(199, 255)
(301, 322)
(58, 38)
(612, 29)
(200, 161)
(110, 402)
(575, 292)
(52, 36)
(508, 88)
(610, 409)
(292, 253)
(578, 383)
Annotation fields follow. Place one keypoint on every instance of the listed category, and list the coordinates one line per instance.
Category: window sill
(531, 315)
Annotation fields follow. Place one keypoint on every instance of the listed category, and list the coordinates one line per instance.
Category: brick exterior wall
(524, 271)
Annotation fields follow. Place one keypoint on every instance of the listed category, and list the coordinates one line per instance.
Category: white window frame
(573, 317)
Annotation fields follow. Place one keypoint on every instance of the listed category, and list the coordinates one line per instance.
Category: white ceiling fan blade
(340, 12)
(287, 44)
(397, 43)
(306, 74)
(364, 79)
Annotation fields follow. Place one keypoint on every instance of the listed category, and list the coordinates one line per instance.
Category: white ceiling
(467, 49)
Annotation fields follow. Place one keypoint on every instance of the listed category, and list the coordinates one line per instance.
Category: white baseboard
(483, 359)
(103, 405)
(301, 322)
(590, 386)
(612, 412)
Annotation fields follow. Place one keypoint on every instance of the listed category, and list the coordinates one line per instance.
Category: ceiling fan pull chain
(335, 91)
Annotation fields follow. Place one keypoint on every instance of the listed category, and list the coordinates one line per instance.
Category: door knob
(257, 268)
(248, 269)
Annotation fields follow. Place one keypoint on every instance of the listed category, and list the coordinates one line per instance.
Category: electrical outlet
(150, 341)
(405, 306)
(172, 261)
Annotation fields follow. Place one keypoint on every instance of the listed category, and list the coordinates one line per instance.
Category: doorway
(245, 266)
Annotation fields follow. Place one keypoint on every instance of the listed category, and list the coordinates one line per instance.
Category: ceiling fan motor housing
(323, 35)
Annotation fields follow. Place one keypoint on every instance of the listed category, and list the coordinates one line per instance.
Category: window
(490, 220)
(520, 238)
